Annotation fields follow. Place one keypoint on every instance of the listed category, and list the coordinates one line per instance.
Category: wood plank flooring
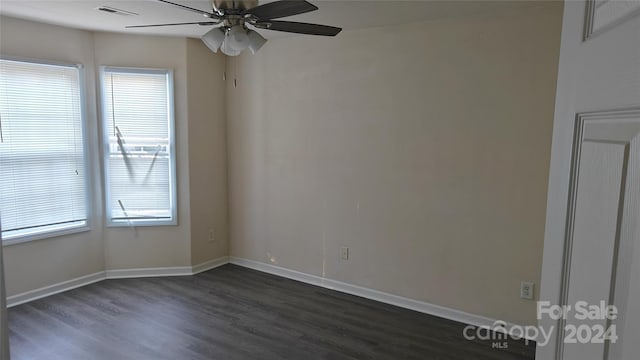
(233, 313)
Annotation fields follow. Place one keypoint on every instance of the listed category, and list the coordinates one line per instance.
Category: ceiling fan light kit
(234, 36)
(234, 40)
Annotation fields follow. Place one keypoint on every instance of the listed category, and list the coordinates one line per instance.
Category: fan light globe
(228, 50)
(255, 41)
(237, 38)
(214, 39)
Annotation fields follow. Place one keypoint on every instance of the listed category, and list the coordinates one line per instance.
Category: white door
(592, 239)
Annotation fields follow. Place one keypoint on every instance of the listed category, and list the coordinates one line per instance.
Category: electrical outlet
(526, 290)
(344, 251)
(212, 235)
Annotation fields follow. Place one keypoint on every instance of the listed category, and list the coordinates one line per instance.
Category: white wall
(424, 148)
(42, 263)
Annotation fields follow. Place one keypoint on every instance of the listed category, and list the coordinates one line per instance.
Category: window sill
(45, 235)
(147, 223)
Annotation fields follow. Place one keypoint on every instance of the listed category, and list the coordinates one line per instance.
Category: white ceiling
(348, 14)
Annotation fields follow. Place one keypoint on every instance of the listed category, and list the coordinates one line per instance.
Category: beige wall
(41, 263)
(164, 245)
(424, 148)
(207, 153)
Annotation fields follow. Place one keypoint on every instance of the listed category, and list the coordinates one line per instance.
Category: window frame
(173, 195)
(86, 151)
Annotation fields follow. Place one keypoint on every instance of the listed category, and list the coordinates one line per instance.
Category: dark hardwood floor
(233, 313)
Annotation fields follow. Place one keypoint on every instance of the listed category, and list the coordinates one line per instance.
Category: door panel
(602, 236)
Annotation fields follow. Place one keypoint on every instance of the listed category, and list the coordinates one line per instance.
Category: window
(139, 151)
(43, 186)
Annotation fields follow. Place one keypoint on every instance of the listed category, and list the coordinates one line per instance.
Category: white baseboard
(420, 306)
(113, 274)
(208, 265)
(148, 272)
(54, 289)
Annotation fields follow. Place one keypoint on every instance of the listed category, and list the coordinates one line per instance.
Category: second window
(139, 149)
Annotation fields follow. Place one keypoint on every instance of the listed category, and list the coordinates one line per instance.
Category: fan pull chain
(235, 72)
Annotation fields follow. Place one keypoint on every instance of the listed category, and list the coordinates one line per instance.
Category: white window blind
(42, 157)
(139, 146)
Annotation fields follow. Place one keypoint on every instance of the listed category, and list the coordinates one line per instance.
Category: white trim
(54, 289)
(41, 61)
(148, 272)
(279, 271)
(113, 274)
(48, 234)
(416, 305)
(208, 265)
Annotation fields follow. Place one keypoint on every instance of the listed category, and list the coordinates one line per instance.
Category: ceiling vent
(112, 10)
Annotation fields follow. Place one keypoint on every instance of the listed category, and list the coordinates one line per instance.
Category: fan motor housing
(238, 5)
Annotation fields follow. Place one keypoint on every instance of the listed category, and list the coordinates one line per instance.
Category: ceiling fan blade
(202, 23)
(299, 28)
(280, 9)
(201, 12)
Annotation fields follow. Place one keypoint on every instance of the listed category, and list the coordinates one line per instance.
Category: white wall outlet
(212, 235)
(526, 290)
(344, 253)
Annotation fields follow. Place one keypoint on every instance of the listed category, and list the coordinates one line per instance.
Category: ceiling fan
(234, 15)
